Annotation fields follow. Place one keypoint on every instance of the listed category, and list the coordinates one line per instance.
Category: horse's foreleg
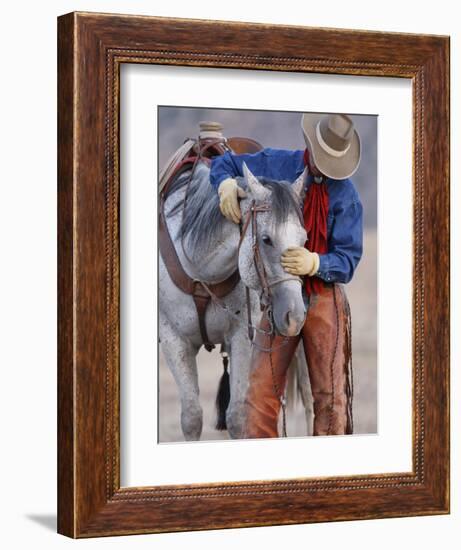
(180, 356)
(304, 388)
(240, 353)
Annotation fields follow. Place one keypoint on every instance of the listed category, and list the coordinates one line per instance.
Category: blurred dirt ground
(362, 294)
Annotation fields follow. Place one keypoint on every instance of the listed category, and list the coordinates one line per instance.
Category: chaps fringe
(349, 370)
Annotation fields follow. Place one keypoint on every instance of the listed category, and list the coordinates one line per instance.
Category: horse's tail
(223, 395)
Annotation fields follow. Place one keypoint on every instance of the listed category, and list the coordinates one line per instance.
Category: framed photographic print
(253, 274)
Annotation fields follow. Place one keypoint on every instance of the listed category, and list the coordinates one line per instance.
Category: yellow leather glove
(228, 192)
(297, 260)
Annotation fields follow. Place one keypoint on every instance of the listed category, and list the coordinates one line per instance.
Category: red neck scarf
(315, 213)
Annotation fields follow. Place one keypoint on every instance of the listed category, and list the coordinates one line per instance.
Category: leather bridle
(266, 284)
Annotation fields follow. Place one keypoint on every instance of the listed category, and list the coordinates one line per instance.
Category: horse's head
(274, 224)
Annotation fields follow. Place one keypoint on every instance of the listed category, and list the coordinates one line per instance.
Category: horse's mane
(202, 216)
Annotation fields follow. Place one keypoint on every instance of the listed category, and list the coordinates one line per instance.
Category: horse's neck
(215, 263)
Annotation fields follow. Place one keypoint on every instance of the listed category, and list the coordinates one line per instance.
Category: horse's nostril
(292, 319)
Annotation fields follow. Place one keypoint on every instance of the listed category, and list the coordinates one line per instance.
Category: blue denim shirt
(345, 212)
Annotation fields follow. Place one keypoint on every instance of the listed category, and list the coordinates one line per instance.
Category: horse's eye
(266, 240)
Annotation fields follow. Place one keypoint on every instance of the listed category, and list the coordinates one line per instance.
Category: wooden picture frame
(92, 48)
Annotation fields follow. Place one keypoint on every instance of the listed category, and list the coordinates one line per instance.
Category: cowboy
(332, 214)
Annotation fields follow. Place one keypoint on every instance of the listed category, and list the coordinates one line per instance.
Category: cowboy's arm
(230, 165)
(273, 163)
(345, 245)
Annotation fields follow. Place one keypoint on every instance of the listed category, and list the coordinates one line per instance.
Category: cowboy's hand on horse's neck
(229, 192)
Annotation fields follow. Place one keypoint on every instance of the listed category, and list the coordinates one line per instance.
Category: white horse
(207, 246)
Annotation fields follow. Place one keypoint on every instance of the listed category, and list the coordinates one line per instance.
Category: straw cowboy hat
(333, 143)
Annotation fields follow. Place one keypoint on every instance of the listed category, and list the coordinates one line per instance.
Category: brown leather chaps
(326, 345)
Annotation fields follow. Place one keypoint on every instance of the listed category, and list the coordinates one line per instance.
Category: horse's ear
(299, 186)
(256, 189)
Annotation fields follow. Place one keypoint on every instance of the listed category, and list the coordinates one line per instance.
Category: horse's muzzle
(288, 308)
